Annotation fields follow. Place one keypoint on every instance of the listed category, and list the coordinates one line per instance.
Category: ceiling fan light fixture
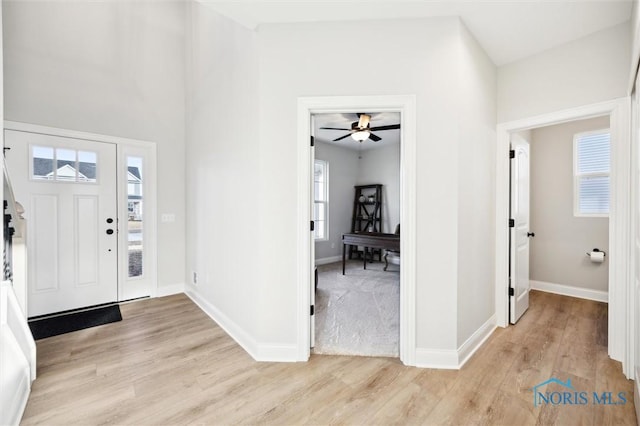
(361, 135)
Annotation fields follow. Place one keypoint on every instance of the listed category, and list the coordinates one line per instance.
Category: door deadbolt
(109, 220)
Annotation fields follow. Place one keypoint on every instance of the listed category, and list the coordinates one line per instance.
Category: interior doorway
(619, 334)
(406, 106)
(356, 185)
(560, 209)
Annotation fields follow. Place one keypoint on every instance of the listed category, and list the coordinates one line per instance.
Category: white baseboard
(451, 359)
(230, 327)
(327, 260)
(278, 353)
(476, 340)
(437, 358)
(567, 290)
(263, 352)
(168, 290)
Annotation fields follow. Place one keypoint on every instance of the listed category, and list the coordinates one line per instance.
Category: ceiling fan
(361, 130)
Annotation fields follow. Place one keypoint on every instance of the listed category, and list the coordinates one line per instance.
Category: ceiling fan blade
(389, 127)
(342, 137)
(374, 137)
(335, 128)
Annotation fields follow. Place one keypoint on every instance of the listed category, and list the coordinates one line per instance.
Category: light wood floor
(168, 363)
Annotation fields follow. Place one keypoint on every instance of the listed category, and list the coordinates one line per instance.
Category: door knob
(109, 231)
(531, 234)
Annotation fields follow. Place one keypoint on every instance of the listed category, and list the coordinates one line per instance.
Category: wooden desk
(369, 240)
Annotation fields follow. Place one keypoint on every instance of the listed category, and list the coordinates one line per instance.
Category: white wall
(419, 58)
(114, 68)
(561, 241)
(343, 172)
(382, 165)
(476, 193)
(224, 205)
(422, 57)
(585, 71)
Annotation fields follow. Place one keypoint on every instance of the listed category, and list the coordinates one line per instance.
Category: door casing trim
(406, 105)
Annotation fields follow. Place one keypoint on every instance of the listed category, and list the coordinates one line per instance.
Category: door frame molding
(620, 292)
(634, 277)
(406, 106)
(120, 142)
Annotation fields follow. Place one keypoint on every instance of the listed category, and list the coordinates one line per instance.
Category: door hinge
(313, 226)
(512, 153)
(511, 291)
(313, 309)
(512, 223)
(312, 141)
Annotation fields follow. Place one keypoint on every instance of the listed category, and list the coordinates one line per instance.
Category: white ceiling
(507, 29)
(344, 120)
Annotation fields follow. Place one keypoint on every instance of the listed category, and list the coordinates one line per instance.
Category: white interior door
(520, 233)
(68, 189)
(312, 331)
(635, 197)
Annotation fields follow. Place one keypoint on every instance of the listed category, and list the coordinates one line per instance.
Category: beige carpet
(358, 313)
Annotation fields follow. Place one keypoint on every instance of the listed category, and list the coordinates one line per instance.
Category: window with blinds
(321, 200)
(592, 167)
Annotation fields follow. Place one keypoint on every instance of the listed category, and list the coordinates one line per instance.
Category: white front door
(68, 189)
(520, 233)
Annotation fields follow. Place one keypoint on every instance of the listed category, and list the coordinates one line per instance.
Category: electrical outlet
(168, 218)
(333, 245)
(195, 278)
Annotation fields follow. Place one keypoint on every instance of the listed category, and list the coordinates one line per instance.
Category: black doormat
(48, 327)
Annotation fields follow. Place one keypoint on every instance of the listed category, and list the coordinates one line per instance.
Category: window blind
(321, 199)
(593, 164)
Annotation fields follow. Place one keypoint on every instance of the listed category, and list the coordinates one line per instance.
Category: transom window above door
(63, 165)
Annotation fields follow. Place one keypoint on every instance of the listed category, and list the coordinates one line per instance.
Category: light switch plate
(168, 217)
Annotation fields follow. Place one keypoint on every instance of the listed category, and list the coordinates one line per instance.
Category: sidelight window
(135, 217)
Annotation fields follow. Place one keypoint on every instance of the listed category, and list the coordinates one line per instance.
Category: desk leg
(366, 249)
(343, 250)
